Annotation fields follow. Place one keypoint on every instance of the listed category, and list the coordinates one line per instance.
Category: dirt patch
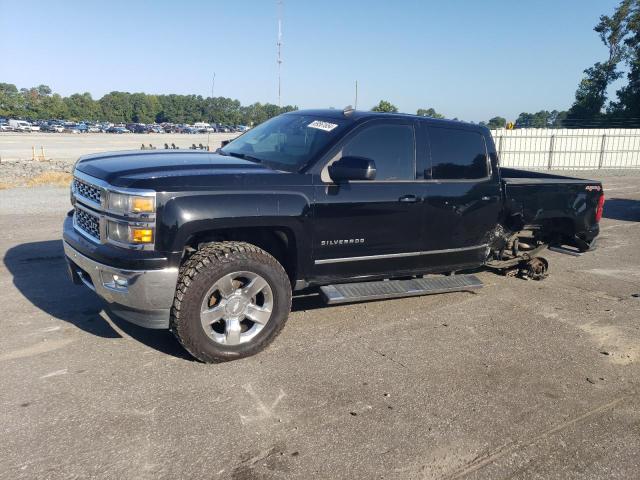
(32, 173)
(58, 179)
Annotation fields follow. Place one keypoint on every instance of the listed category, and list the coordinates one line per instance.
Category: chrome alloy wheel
(236, 308)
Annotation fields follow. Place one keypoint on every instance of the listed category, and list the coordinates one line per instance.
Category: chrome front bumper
(143, 297)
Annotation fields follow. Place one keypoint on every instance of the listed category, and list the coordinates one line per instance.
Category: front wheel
(232, 300)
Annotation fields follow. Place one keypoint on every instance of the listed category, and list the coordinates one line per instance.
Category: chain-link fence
(568, 149)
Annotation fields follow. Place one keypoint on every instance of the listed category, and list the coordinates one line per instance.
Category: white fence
(568, 149)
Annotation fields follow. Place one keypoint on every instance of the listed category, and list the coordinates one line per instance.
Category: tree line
(542, 119)
(40, 103)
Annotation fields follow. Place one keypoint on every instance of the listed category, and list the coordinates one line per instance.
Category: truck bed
(513, 176)
(563, 206)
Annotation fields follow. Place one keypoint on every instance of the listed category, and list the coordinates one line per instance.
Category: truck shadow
(622, 209)
(39, 272)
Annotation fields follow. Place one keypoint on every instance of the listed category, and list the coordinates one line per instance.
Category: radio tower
(279, 45)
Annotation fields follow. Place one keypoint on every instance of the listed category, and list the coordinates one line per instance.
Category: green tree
(53, 106)
(497, 122)
(34, 100)
(591, 94)
(385, 106)
(541, 119)
(144, 108)
(41, 103)
(257, 113)
(11, 102)
(223, 110)
(116, 107)
(628, 105)
(81, 107)
(557, 119)
(429, 112)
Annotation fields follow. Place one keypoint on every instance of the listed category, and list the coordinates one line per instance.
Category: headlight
(125, 204)
(125, 233)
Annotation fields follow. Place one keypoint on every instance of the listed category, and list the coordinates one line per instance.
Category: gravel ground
(518, 380)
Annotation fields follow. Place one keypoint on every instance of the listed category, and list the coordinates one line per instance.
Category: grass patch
(57, 179)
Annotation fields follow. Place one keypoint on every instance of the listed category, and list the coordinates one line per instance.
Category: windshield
(287, 142)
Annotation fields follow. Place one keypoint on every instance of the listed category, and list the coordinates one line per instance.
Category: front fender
(184, 216)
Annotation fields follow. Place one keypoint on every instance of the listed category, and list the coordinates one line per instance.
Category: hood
(168, 169)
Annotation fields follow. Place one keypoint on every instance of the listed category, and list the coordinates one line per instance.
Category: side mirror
(352, 168)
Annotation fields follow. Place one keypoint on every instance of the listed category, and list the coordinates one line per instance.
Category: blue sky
(467, 59)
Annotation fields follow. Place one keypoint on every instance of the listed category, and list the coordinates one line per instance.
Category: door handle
(408, 199)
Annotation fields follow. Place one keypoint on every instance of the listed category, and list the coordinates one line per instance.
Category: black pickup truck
(356, 205)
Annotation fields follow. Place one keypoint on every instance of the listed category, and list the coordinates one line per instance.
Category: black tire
(200, 272)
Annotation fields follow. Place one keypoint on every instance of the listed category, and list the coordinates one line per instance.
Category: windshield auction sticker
(326, 126)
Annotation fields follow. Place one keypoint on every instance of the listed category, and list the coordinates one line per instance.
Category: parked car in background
(203, 127)
(52, 128)
(117, 130)
(23, 126)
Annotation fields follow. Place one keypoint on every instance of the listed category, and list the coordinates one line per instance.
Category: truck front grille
(88, 223)
(87, 191)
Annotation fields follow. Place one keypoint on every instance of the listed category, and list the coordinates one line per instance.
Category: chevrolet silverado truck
(354, 205)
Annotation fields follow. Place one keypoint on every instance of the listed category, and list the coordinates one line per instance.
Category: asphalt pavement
(520, 379)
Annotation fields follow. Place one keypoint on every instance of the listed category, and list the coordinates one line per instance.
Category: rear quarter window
(457, 154)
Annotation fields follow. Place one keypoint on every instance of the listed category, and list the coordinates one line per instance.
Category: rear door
(463, 198)
(371, 227)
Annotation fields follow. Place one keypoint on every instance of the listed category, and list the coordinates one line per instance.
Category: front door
(369, 228)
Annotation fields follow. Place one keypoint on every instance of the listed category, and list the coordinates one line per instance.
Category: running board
(566, 251)
(363, 291)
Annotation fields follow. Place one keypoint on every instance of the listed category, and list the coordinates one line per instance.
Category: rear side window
(457, 154)
(391, 147)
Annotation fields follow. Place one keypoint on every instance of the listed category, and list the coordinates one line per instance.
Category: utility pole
(279, 59)
(213, 84)
(355, 106)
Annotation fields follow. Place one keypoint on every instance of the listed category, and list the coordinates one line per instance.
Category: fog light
(142, 235)
(115, 282)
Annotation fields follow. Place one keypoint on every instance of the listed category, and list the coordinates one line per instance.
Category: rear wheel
(231, 301)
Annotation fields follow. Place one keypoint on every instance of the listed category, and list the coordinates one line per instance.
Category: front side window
(457, 154)
(287, 142)
(391, 147)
